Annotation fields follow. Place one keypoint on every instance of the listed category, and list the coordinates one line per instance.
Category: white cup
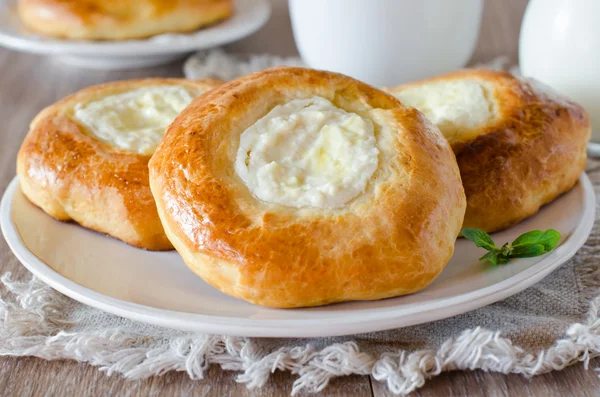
(386, 42)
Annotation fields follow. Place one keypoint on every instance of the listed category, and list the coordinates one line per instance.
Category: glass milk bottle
(560, 46)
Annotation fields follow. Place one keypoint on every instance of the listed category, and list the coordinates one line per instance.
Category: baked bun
(85, 158)
(294, 187)
(118, 19)
(518, 144)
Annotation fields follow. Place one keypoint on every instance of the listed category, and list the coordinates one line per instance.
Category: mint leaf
(527, 245)
(479, 237)
(527, 251)
(531, 237)
(491, 256)
(505, 250)
(548, 239)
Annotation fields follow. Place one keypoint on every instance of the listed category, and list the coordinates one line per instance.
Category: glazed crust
(120, 20)
(530, 153)
(393, 239)
(73, 176)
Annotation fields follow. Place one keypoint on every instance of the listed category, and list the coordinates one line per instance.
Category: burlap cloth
(549, 326)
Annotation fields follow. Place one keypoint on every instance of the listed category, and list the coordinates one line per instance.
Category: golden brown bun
(393, 239)
(532, 150)
(118, 19)
(73, 176)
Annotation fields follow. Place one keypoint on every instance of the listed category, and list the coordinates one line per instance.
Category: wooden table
(28, 83)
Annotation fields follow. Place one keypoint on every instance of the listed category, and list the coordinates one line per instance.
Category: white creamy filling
(134, 120)
(308, 153)
(451, 105)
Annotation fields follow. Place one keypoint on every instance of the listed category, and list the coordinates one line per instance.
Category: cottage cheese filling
(134, 120)
(308, 153)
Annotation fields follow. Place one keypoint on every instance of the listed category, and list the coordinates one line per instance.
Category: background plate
(157, 287)
(249, 16)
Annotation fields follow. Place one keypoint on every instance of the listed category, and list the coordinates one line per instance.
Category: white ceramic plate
(157, 287)
(249, 16)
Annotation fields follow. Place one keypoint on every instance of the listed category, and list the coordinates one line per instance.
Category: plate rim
(371, 320)
(255, 15)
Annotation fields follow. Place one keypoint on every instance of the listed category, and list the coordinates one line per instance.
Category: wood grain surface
(28, 83)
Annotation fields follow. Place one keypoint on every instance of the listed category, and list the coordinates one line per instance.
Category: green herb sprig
(530, 244)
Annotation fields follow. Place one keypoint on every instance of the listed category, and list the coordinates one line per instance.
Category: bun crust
(120, 20)
(74, 176)
(393, 239)
(531, 151)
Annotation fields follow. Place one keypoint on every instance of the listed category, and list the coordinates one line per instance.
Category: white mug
(386, 42)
